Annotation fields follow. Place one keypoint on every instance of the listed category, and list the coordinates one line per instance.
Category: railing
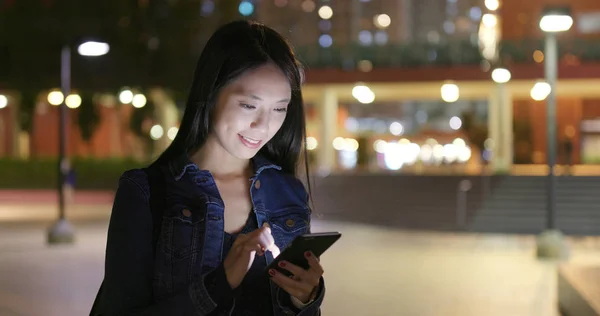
(416, 54)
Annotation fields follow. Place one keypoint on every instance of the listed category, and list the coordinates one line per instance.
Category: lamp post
(62, 231)
(502, 154)
(554, 20)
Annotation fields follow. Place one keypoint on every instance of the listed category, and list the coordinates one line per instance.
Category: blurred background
(455, 143)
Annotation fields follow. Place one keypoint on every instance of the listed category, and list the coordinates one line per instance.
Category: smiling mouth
(250, 142)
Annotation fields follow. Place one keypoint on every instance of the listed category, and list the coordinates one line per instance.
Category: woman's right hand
(244, 249)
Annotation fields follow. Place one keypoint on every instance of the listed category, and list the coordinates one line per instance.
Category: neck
(214, 158)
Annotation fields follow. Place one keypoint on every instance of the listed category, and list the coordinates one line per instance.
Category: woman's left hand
(303, 283)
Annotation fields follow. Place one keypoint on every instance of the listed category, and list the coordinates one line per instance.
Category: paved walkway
(371, 271)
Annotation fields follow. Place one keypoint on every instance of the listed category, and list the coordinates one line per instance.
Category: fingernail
(272, 272)
(282, 264)
(308, 254)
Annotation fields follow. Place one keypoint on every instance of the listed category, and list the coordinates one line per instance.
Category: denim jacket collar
(182, 164)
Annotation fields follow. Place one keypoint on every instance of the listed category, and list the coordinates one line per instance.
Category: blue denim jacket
(187, 277)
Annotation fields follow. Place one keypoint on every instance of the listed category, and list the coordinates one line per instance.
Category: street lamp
(554, 20)
(62, 231)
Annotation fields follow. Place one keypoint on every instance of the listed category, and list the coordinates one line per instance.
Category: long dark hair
(232, 50)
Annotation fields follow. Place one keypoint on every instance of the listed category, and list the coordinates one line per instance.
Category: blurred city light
(363, 94)
(207, 8)
(338, 143)
(380, 146)
(475, 13)
(172, 133)
(55, 98)
(311, 143)
(538, 56)
(365, 65)
(556, 20)
(382, 21)
(459, 142)
(93, 49)
(396, 128)
(540, 91)
(73, 101)
(365, 37)
(325, 12)
(489, 20)
(501, 75)
(246, 8)
(308, 5)
(350, 144)
(492, 5)
(156, 132)
(450, 92)
(438, 154)
(464, 154)
(126, 96)
(455, 123)
(138, 101)
(489, 37)
(450, 153)
(345, 144)
(325, 40)
(3, 101)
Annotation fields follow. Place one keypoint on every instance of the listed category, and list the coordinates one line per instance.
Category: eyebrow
(252, 96)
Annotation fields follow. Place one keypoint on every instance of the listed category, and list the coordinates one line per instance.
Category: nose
(260, 123)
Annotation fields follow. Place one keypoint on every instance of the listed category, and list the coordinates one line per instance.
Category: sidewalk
(51, 196)
(371, 271)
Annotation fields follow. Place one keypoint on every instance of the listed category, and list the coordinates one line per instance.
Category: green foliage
(91, 174)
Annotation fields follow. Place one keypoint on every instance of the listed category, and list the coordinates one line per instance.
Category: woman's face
(250, 110)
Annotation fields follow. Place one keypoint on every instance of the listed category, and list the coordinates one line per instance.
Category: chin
(244, 153)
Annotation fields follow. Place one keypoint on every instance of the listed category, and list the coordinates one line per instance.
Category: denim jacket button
(290, 223)
(186, 213)
(257, 184)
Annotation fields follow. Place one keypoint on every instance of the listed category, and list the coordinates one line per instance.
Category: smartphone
(316, 243)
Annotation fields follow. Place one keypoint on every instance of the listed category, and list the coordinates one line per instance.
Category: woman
(228, 197)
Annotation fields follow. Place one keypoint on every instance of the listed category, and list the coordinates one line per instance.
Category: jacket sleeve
(127, 286)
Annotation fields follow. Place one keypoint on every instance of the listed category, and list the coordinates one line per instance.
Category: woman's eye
(283, 110)
(247, 106)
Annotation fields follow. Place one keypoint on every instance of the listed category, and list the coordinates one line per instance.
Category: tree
(138, 127)
(27, 106)
(88, 117)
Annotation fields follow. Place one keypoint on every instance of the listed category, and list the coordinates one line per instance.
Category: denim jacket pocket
(184, 231)
(287, 224)
(182, 235)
